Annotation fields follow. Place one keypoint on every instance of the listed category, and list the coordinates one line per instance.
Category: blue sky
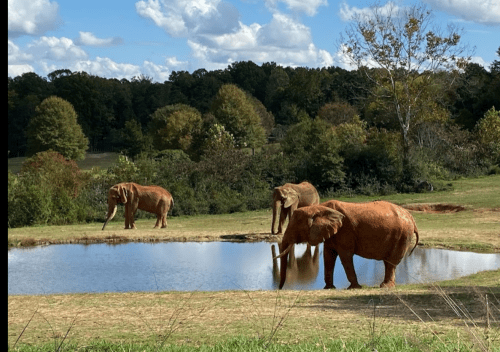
(123, 39)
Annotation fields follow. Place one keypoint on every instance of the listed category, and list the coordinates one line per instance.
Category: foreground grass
(451, 316)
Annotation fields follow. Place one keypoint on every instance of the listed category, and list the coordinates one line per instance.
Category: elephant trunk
(276, 206)
(111, 214)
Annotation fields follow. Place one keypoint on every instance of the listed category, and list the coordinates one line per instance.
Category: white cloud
(16, 55)
(348, 13)
(59, 49)
(485, 11)
(185, 18)
(105, 67)
(284, 32)
(88, 38)
(31, 17)
(173, 63)
(309, 7)
(158, 72)
(18, 70)
(217, 38)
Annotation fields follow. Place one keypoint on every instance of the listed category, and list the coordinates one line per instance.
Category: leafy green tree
(174, 126)
(313, 147)
(337, 113)
(237, 113)
(406, 53)
(488, 129)
(55, 127)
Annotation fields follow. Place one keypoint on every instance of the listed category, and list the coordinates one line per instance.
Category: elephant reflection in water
(303, 270)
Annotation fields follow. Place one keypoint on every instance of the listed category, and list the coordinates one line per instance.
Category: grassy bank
(455, 314)
(471, 222)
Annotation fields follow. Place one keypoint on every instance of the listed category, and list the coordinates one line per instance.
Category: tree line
(108, 109)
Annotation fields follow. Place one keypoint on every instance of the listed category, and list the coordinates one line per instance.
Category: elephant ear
(122, 191)
(290, 196)
(324, 224)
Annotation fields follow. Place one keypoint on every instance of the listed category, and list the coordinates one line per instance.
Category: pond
(211, 266)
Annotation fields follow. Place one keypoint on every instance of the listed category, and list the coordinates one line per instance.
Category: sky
(129, 38)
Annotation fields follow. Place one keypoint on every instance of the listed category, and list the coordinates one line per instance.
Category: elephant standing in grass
(289, 197)
(153, 199)
(375, 230)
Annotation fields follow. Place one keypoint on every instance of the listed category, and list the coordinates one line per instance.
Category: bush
(45, 191)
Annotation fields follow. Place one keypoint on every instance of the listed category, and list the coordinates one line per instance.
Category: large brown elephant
(289, 197)
(153, 199)
(375, 230)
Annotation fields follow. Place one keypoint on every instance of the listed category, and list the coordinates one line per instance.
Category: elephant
(153, 199)
(301, 270)
(289, 197)
(375, 230)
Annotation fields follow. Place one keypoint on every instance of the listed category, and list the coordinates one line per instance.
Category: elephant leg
(390, 275)
(132, 211)
(158, 220)
(329, 259)
(127, 216)
(164, 221)
(348, 264)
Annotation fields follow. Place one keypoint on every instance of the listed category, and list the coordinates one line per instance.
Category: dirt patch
(435, 208)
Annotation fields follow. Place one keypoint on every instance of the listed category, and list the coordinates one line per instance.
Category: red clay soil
(435, 208)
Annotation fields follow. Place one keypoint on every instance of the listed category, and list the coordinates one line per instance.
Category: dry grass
(196, 318)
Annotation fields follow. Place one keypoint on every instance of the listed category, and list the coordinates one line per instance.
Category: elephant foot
(328, 287)
(389, 284)
(354, 286)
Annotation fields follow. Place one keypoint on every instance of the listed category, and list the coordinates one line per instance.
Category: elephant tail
(416, 243)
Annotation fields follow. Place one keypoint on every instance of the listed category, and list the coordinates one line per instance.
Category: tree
(337, 113)
(488, 129)
(174, 126)
(237, 113)
(395, 49)
(55, 127)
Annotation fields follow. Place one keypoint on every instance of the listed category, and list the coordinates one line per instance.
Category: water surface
(210, 266)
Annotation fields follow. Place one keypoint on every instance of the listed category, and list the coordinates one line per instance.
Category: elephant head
(117, 194)
(311, 224)
(283, 196)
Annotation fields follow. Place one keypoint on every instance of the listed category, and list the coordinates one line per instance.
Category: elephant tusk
(285, 252)
(111, 216)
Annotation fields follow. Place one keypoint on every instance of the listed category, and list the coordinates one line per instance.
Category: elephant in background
(153, 199)
(288, 198)
(376, 230)
(301, 270)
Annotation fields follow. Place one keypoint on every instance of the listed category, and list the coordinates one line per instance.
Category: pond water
(211, 266)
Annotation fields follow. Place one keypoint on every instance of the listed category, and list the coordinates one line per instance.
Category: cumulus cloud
(31, 17)
(218, 38)
(309, 7)
(59, 49)
(16, 55)
(191, 17)
(105, 67)
(284, 32)
(485, 11)
(348, 13)
(88, 38)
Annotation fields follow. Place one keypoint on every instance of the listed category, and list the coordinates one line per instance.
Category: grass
(413, 317)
